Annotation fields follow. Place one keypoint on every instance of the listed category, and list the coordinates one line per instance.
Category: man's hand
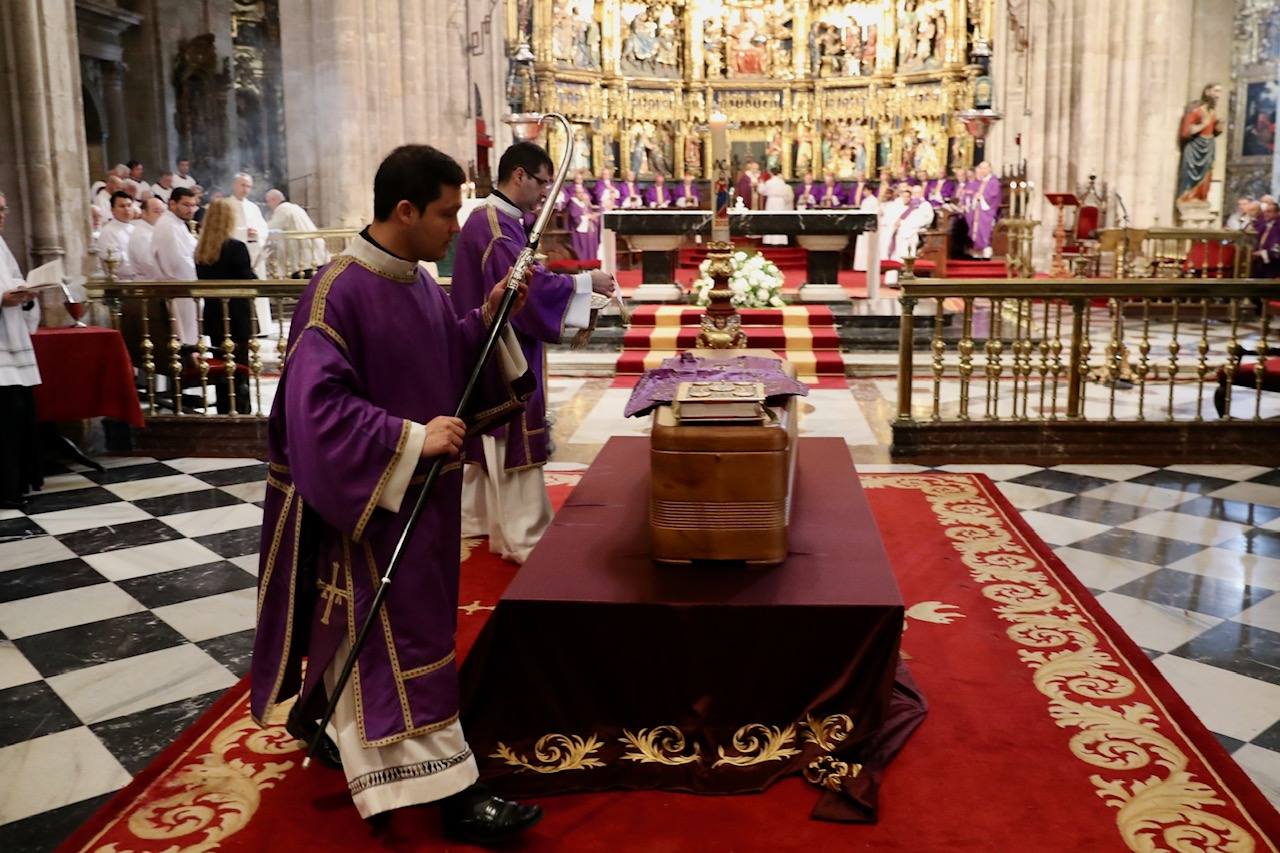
(602, 282)
(495, 296)
(253, 233)
(444, 436)
(17, 296)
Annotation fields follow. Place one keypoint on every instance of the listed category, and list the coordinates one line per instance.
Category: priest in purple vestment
(830, 194)
(806, 193)
(1266, 257)
(584, 226)
(607, 194)
(748, 187)
(859, 192)
(985, 207)
(686, 195)
(503, 493)
(658, 196)
(632, 196)
(375, 366)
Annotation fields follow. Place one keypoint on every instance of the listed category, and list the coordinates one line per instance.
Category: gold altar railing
(1166, 253)
(174, 379)
(1057, 366)
(295, 254)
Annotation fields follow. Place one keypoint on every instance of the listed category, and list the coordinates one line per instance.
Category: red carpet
(1048, 730)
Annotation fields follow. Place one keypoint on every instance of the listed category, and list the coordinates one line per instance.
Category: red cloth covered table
(84, 373)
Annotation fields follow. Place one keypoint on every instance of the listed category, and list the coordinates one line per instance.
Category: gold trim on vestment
(372, 504)
(419, 671)
(293, 588)
(319, 301)
(1083, 681)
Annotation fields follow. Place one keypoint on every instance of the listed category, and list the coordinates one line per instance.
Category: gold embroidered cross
(473, 607)
(331, 593)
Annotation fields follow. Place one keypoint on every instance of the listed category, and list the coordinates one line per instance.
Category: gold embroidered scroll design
(1081, 679)
(757, 743)
(827, 771)
(659, 745)
(215, 795)
(554, 753)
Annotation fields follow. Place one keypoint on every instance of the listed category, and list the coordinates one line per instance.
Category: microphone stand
(518, 271)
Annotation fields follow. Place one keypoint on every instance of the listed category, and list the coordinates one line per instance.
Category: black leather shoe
(478, 817)
(304, 730)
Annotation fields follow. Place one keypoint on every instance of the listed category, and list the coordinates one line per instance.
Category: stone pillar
(46, 150)
(118, 150)
(361, 77)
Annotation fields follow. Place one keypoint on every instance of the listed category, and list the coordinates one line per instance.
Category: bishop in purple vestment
(658, 195)
(806, 193)
(748, 187)
(985, 207)
(686, 195)
(830, 194)
(374, 370)
(632, 196)
(607, 194)
(584, 226)
(503, 492)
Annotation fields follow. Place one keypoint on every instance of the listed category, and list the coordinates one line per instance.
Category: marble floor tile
(44, 831)
(1062, 481)
(46, 578)
(99, 540)
(252, 492)
(234, 543)
(1270, 739)
(1139, 546)
(1187, 528)
(126, 686)
(1155, 626)
(1102, 571)
(56, 610)
(1264, 614)
(1227, 510)
(1260, 541)
(1029, 497)
(234, 651)
(1194, 592)
(1243, 649)
(60, 769)
(605, 420)
(85, 518)
(170, 505)
(109, 462)
(150, 559)
(1110, 472)
(995, 472)
(205, 618)
(97, 642)
(833, 412)
(231, 476)
(1222, 472)
(1138, 494)
(63, 482)
(1263, 767)
(248, 563)
(1271, 477)
(199, 465)
(1249, 493)
(43, 502)
(15, 669)
(172, 587)
(172, 484)
(1058, 530)
(16, 529)
(32, 710)
(32, 551)
(1093, 509)
(135, 739)
(129, 471)
(1245, 569)
(217, 520)
(1254, 705)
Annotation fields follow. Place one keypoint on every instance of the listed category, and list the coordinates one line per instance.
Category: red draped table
(84, 373)
(600, 669)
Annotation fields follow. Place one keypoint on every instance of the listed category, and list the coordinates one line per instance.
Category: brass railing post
(905, 357)
(1075, 360)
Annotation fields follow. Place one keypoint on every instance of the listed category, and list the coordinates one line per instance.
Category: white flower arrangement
(756, 282)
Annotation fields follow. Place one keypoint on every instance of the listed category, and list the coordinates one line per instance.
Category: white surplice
(293, 256)
(870, 204)
(249, 215)
(17, 356)
(141, 264)
(777, 196)
(114, 238)
(173, 252)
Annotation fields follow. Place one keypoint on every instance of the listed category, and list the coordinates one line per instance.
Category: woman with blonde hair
(220, 256)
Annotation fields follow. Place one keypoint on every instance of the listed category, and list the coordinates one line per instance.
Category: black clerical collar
(366, 235)
(500, 194)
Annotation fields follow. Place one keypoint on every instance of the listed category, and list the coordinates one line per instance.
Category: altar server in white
(173, 251)
(777, 196)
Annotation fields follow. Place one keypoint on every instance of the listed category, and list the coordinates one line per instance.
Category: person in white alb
(251, 229)
(135, 174)
(777, 196)
(141, 262)
(292, 258)
(183, 177)
(161, 188)
(20, 459)
(113, 239)
(173, 251)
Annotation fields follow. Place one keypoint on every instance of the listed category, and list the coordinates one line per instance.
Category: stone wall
(1098, 87)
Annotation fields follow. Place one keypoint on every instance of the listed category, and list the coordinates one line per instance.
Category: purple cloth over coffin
(658, 386)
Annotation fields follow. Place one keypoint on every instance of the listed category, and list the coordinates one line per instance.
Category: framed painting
(1254, 137)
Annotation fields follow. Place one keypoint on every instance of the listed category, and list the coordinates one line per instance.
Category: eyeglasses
(542, 182)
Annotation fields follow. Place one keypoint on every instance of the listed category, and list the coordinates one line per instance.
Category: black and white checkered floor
(127, 603)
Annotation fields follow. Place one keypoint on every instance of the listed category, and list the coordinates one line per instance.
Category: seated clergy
(658, 195)
(686, 195)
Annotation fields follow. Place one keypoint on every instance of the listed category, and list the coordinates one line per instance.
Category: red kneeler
(1246, 377)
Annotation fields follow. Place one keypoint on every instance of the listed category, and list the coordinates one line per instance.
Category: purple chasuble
(830, 196)
(585, 243)
(806, 196)
(967, 194)
(688, 195)
(855, 194)
(746, 191)
(658, 196)
(632, 195)
(984, 221)
(607, 195)
(374, 344)
(1267, 265)
(485, 252)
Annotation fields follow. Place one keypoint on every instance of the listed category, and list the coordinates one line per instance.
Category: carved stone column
(45, 153)
(118, 150)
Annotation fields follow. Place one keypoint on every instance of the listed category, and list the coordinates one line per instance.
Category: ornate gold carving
(554, 753)
(757, 743)
(1082, 680)
(659, 745)
(828, 732)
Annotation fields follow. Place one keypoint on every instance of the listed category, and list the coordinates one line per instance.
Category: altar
(600, 669)
(824, 234)
(658, 236)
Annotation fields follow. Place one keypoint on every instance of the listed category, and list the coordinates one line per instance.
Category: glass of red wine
(75, 308)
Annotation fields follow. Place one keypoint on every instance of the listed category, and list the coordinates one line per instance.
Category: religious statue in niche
(581, 150)
(922, 35)
(922, 151)
(575, 35)
(1196, 134)
(692, 155)
(804, 150)
(845, 149)
(650, 40)
(650, 149)
(842, 40)
(757, 41)
(773, 154)
(713, 47)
